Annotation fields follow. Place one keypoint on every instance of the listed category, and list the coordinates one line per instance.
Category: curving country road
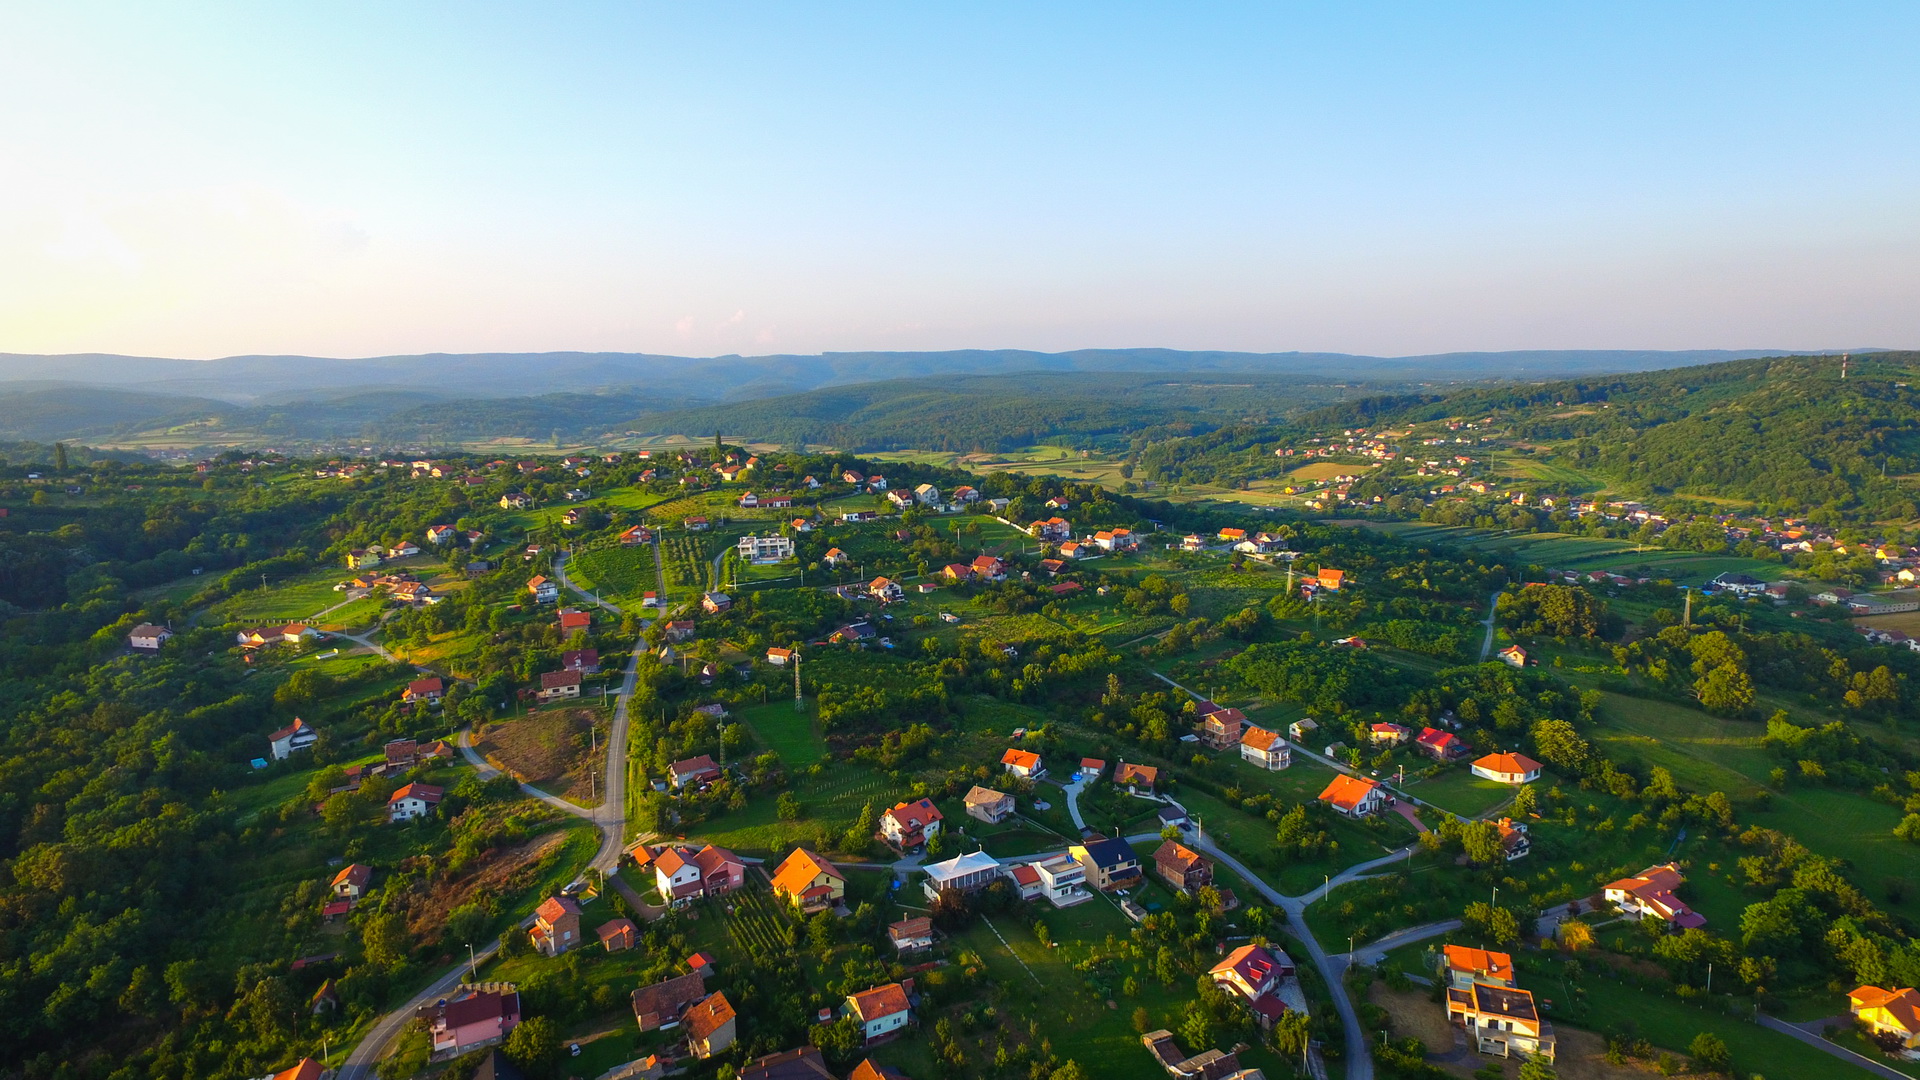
(610, 817)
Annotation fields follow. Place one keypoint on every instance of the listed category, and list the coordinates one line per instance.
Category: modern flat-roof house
(1063, 880)
(1501, 1020)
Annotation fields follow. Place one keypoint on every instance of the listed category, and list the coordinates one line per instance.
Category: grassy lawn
(295, 598)
(1608, 1006)
(623, 574)
(791, 734)
(830, 799)
(1460, 792)
(1704, 753)
(1707, 753)
(1083, 1013)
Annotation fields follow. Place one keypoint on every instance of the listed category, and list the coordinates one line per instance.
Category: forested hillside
(1005, 412)
(1782, 432)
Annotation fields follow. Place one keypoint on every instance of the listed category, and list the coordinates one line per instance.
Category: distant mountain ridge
(243, 379)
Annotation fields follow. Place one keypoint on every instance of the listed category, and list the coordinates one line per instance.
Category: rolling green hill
(1786, 433)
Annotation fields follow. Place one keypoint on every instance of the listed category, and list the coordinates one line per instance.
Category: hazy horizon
(220, 180)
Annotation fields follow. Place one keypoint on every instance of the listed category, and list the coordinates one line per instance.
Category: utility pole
(799, 701)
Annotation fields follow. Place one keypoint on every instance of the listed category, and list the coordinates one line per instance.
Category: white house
(298, 735)
(1507, 769)
(927, 495)
(1265, 748)
(149, 637)
(412, 801)
(881, 1011)
(1024, 764)
(765, 549)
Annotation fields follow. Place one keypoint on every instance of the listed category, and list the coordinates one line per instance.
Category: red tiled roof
(879, 1001)
(555, 908)
(707, 1017)
(426, 793)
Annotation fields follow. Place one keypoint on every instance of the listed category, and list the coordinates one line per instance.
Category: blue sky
(348, 179)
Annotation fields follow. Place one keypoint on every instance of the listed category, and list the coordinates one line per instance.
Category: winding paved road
(610, 817)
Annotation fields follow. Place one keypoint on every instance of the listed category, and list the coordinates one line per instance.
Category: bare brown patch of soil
(501, 872)
(550, 750)
(1580, 1055)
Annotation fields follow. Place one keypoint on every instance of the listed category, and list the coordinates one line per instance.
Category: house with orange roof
(885, 590)
(1231, 536)
(881, 1012)
(351, 882)
(710, 1025)
(1507, 769)
(298, 735)
(1265, 748)
(544, 591)
(1389, 734)
(1888, 1014)
(1462, 967)
(1054, 528)
(1130, 775)
(1091, 768)
(307, 1069)
(683, 874)
(1650, 894)
(556, 926)
(1354, 796)
(1331, 579)
(809, 882)
(1514, 841)
(1023, 763)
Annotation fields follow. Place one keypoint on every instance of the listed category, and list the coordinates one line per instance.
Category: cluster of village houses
(1481, 994)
